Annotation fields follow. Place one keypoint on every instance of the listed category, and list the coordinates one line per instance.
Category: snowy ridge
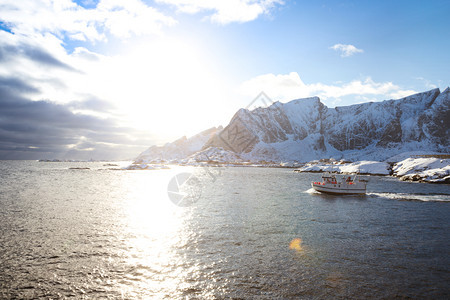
(178, 149)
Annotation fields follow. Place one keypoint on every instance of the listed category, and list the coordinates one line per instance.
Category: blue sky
(137, 73)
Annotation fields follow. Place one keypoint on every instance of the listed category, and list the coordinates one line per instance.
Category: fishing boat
(345, 184)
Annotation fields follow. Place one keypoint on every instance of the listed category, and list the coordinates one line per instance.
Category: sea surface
(244, 233)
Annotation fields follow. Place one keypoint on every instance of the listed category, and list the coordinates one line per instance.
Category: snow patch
(428, 169)
(360, 167)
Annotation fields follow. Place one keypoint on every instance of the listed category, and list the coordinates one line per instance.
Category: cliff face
(256, 132)
(305, 129)
(384, 124)
(435, 121)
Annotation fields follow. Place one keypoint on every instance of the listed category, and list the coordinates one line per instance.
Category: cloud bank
(65, 18)
(44, 129)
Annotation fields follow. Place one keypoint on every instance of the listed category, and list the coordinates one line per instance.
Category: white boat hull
(341, 189)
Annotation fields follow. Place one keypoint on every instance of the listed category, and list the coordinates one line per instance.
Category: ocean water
(245, 233)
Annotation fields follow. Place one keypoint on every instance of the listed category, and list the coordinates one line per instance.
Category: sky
(106, 79)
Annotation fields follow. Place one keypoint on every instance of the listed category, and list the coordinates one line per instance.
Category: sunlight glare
(165, 85)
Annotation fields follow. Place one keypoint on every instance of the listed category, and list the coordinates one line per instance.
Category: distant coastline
(429, 168)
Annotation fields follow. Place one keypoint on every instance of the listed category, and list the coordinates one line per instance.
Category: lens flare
(296, 244)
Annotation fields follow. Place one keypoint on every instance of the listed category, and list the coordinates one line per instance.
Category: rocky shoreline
(423, 169)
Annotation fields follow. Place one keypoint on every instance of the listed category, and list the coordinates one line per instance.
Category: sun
(165, 86)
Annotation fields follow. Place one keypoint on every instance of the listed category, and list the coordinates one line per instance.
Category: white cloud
(224, 12)
(427, 83)
(346, 50)
(63, 17)
(285, 87)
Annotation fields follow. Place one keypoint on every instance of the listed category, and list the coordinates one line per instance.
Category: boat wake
(312, 191)
(412, 197)
(400, 196)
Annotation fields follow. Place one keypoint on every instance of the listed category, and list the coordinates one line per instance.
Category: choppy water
(102, 233)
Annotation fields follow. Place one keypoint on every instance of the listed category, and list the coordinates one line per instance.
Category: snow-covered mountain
(179, 149)
(305, 129)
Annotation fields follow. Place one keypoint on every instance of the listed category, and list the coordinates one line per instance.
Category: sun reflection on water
(156, 229)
